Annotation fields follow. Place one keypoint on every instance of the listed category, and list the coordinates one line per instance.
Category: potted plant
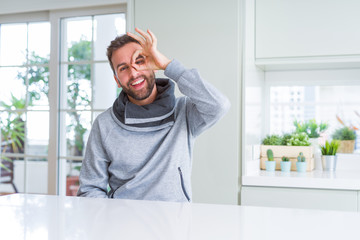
(285, 164)
(329, 157)
(289, 145)
(298, 139)
(270, 163)
(347, 137)
(273, 140)
(301, 163)
(313, 130)
(12, 137)
(72, 180)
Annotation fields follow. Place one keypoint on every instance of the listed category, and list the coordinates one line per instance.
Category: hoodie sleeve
(205, 104)
(94, 174)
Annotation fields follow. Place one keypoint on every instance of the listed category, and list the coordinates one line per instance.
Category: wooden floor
(5, 193)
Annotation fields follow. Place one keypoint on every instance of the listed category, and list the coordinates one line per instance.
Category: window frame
(54, 79)
(26, 18)
(304, 77)
(54, 17)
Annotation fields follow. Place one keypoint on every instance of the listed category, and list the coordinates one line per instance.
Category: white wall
(254, 80)
(205, 35)
(21, 6)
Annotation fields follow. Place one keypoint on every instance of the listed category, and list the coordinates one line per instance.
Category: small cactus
(301, 157)
(270, 155)
(285, 159)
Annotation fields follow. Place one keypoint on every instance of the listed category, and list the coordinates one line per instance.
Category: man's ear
(117, 81)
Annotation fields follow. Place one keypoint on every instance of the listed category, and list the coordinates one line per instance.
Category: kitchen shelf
(339, 179)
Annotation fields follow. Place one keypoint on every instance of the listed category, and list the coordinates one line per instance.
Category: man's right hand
(154, 59)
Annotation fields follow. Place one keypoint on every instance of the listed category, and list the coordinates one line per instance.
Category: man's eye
(140, 62)
(123, 68)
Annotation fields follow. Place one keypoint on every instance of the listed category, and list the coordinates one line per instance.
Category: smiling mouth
(137, 82)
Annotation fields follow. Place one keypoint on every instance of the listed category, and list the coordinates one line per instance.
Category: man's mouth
(137, 82)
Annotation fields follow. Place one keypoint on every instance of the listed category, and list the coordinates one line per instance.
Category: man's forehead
(126, 52)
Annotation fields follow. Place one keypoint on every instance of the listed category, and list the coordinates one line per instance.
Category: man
(141, 147)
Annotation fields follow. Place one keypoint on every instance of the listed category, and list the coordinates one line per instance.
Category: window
(323, 103)
(24, 105)
(87, 86)
(48, 104)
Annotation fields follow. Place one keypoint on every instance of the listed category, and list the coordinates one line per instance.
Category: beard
(145, 92)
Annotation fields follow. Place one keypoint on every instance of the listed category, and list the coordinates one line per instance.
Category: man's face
(138, 85)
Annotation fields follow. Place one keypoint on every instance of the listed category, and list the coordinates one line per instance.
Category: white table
(39, 217)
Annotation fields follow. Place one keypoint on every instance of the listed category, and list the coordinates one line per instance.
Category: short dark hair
(117, 43)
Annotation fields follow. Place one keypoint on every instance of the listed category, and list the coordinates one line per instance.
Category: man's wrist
(174, 70)
(165, 64)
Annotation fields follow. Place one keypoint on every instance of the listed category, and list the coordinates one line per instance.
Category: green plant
(311, 128)
(272, 140)
(299, 139)
(78, 168)
(285, 159)
(37, 77)
(285, 139)
(344, 133)
(13, 134)
(330, 148)
(3, 158)
(12, 129)
(13, 126)
(270, 155)
(301, 157)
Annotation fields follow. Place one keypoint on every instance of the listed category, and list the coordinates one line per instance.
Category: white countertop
(52, 217)
(345, 177)
(339, 179)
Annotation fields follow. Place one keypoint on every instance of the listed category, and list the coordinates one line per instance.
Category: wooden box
(291, 152)
(346, 146)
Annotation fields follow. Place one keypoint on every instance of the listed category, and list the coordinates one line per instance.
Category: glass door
(87, 87)
(24, 106)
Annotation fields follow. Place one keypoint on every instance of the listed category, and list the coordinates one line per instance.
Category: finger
(136, 54)
(141, 68)
(144, 34)
(136, 37)
(153, 37)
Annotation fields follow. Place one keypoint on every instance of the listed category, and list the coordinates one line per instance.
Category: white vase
(329, 162)
(317, 153)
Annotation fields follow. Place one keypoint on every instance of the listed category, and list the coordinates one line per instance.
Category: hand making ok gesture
(153, 58)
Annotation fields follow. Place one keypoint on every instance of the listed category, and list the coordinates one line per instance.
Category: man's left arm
(205, 104)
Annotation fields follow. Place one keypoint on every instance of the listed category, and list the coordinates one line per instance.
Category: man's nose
(133, 70)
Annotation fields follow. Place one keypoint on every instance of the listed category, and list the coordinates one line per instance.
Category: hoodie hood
(157, 113)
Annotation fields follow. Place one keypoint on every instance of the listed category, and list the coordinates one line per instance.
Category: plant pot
(285, 166)
(329, 162)
(291, 152)
(346, 146)
(71, 183)
(270, 166)
(317, 153)
(301, 166)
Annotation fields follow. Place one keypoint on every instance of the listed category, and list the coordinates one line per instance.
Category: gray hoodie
(145, 152)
